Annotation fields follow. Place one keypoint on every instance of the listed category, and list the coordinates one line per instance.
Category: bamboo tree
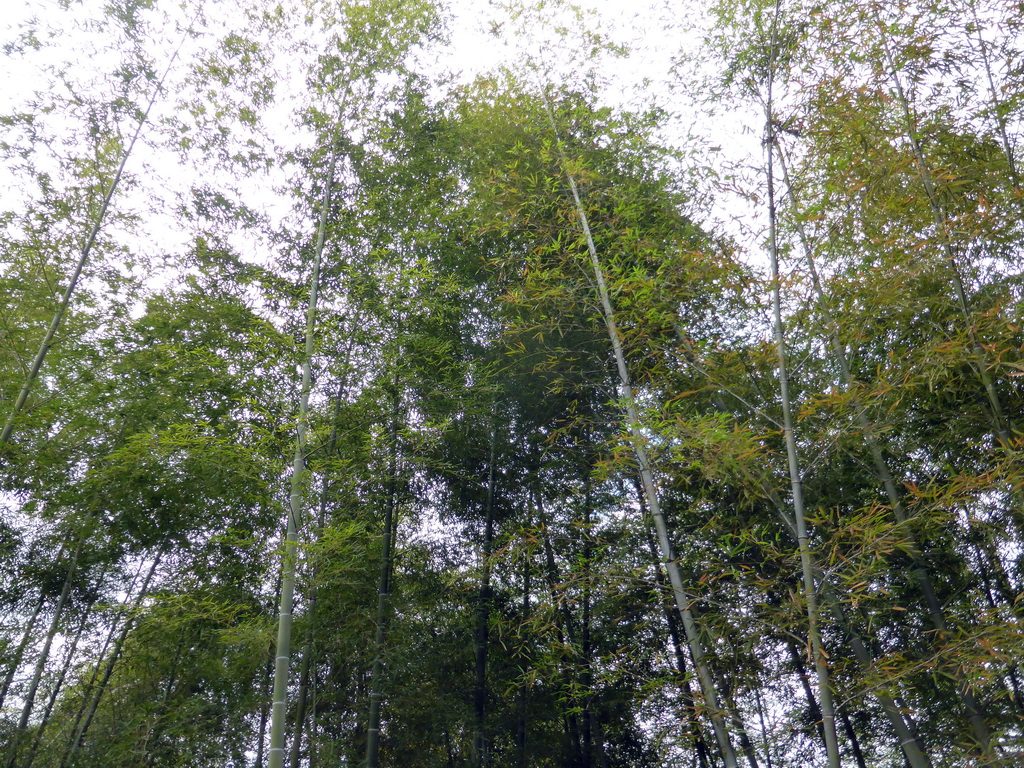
(940, 218)
(920, 572)
(55, 690)
(81, 727)
(695, 733)
(637, 444)
(383, 596)
(156, 732)
(307, 646)
(565, 631)
(265, 691)
(522, 703)
(44, 654)
(795, 477)
(478, 755)
(899, 717)
(26, 637)
(83, 258)
(279, 709)
(999, 108)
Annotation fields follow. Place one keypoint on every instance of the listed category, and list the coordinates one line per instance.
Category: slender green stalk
(999, 110)
(700, 747)
(156, 731)
(56, 688)
(383, 601)
(478, 756)
(308, 649)
(795, 479)
(265, 693)
(920, 571)
(282, 658)
(82, 727)
(939, 217)
(83, 258)
(899, 717)
(522, 703)
(638, 444)
(25, 638)
(37, 674)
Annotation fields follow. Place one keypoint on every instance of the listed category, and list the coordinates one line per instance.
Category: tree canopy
(645, 393)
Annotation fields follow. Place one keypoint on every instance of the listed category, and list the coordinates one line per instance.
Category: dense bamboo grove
(362, 412)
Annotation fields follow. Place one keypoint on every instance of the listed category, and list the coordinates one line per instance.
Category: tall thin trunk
(996, 591)
(564, 627)
(999, 110)
(759, 703)
(67, 665)
(603, 760)
(383, 602)
(524, 690)
(740, 730)
(919, 570)
(586, 676)
(312, 741)
(694, 730)
(300, 703)
(87, 692)
(801, 672)
(899, 717)
(19, 654)
(307, 643)
(90, 241)
(981, 362)
(265, 693)
(851, 736)
(279, 707)
(55, 690)
(14, 744)
(638, 443)
(795, 478)
(478, 756)
(108, 668)
(157, 730)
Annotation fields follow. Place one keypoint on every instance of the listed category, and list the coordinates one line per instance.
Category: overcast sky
(657, 32)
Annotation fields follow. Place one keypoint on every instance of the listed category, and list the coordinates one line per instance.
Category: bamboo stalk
(90, 240)
(108, 669)
(383, 601)
(282, 658)
(638, 444)
(478, 755)
(796, 482)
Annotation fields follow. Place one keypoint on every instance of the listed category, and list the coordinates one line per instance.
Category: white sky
(655, 30)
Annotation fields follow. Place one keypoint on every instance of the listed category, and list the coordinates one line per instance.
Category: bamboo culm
(282, 657)
(919, 571)
(796, 482)
(682, 598)
(383, 601)
(478, 756)
(307, 644)
(44, 654)
(108, 668)
(90, 241)
(55, 690)
(19, 654)
(981, 363)
(899, 717)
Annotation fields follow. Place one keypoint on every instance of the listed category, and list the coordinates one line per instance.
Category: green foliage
(458, 302)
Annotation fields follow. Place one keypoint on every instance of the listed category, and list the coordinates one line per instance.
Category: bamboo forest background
(637, 390)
